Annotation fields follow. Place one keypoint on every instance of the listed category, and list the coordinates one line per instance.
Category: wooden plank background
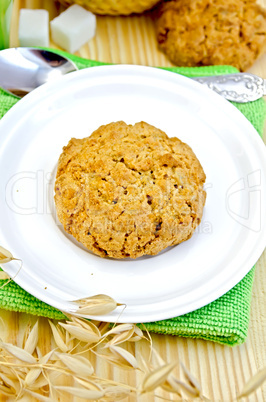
(221, 370)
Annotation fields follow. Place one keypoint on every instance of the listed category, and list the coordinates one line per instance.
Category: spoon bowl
(23, 69)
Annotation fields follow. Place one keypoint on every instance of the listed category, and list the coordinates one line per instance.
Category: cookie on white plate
(129, 190)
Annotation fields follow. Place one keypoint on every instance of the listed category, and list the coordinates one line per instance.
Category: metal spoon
(24, 69)
(239, 87)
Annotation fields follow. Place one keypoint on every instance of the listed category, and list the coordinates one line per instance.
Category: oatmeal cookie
(127, 191)
(211, 32)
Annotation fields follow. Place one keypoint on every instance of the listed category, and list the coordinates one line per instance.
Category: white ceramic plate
(56, 269)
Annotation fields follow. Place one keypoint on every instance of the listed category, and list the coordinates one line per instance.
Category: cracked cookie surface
(211, 32)
(129, 190)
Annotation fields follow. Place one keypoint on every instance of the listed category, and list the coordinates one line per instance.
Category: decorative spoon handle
(239, 87)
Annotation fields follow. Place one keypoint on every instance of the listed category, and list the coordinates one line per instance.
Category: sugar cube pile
(70, 30)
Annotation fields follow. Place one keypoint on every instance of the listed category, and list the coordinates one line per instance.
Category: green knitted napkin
(226, 319)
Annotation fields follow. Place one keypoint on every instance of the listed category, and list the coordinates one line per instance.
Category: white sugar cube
(73, 28)
(33, 28)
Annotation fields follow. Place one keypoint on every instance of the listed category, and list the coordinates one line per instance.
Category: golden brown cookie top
(212, 32)
(129, 190)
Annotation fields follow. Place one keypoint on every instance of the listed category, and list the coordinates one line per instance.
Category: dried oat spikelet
(116, 393)
(4, 275)
(119, 357)
(186, 388)
(192, 382)
(191, 388)
(77, 364)
(89, 384)
(122, 333)
(87, 394)
(94, 305)
(19, 353)
(118, 329)
(61, 338)
(157, 377)
(80, 333)
(7, 391)
(171, 387)
(86, 324)
(33, 375)
(31, 339)
(138, 335)
(170, 384)
(253, 383)
(124, 354)
(10, 383)
(5, 256)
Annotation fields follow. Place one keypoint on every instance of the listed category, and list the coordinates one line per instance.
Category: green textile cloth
(226, 319)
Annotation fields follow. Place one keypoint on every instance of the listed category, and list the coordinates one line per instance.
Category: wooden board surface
(221, 370)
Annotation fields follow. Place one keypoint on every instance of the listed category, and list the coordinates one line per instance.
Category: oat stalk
(25, 372)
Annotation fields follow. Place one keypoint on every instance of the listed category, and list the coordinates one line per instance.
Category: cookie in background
(113, 7)
(211, 32)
